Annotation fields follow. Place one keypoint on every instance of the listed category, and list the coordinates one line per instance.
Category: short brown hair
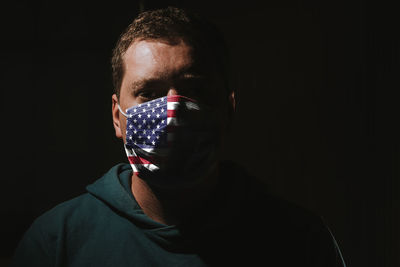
(172, 24)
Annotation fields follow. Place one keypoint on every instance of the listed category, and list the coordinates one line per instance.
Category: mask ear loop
(123, 113)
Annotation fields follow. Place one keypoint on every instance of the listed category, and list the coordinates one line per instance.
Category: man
(176, 203)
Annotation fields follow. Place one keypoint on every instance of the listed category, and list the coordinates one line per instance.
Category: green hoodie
(241, 225)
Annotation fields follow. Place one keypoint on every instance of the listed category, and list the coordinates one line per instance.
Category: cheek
(122, 121)
(126, 101)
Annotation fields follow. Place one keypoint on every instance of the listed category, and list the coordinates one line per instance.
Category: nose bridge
(172, 91)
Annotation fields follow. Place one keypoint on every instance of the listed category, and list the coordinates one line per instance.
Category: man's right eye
(146, 95)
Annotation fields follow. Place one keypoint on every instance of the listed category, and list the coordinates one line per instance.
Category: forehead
(146, 58)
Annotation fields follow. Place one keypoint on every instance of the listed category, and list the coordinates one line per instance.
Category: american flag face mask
(171, 140)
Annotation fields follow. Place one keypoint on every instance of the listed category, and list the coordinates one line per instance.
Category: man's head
(170, 51)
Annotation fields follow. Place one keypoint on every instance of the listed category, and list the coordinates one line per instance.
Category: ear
(232, 101)
(231, 110)
(116, 116)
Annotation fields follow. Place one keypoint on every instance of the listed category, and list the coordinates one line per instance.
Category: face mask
(172, 141)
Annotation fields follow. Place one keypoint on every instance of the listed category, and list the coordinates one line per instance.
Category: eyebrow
(146, 82)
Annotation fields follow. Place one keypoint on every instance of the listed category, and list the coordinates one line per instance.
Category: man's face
(154, 68)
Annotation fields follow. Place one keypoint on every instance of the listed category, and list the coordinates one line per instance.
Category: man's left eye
(194, 92)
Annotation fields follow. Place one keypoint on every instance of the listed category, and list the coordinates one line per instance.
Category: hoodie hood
(114, 190)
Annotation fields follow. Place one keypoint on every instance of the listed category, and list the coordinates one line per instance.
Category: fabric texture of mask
(171, 141)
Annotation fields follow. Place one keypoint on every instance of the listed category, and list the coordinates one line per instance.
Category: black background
(317, 113)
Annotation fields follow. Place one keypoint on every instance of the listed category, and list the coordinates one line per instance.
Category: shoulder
(63, 218)
(258, 199)
(279, 208)
(281, 213)
(82, 209)
(74, 215)
(283, 227)
(41, 241)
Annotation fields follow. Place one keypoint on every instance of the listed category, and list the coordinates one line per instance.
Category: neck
(172, 207)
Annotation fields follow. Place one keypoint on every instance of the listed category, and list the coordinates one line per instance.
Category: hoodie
(241, 225)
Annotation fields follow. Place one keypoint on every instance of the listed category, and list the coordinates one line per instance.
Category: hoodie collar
(114, 190)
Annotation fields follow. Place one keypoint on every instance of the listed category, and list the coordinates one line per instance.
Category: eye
(195, 92)
(146, 95)
(194, 88)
